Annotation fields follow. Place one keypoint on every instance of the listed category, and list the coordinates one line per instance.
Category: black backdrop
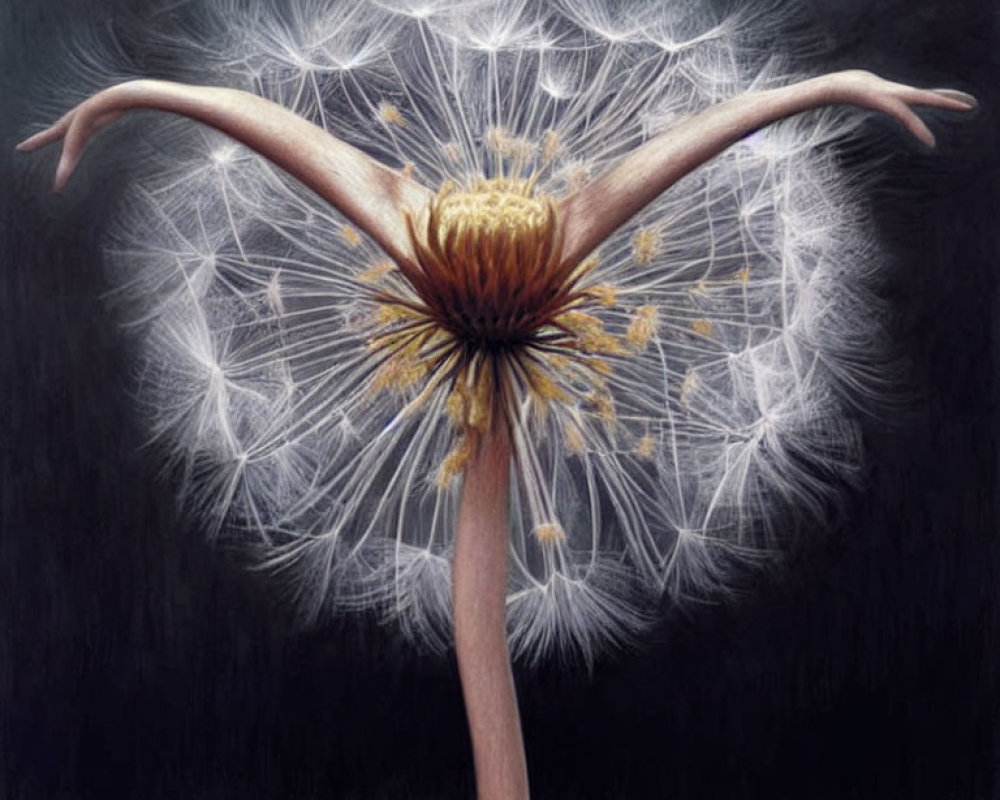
(135, 661)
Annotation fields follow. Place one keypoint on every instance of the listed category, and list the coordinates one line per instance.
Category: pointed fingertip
(966, 99)
(920, 131)
(62, 175)
(28, 144)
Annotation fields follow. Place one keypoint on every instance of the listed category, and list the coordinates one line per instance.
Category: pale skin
(378, 200)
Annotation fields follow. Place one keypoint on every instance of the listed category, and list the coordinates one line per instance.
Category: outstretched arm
(372, 196)
(594, 212)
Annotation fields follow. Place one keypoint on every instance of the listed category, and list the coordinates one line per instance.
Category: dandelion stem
(479, 589)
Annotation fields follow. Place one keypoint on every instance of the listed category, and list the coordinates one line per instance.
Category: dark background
(136, 661)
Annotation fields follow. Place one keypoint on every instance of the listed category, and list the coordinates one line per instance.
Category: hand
(867, 90)
(77, 126)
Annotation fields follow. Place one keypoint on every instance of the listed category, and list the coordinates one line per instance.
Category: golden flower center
(489, 311)
(490, 257)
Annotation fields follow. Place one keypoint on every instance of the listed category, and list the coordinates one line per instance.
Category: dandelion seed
(455, 462)
(604, 294)
(703, 327)
(575, 442)
(550, 146)
(390, 114)
(645, 447)
(398, 375)
(376, 272)
(351, 236)
(550, 533)
(642, 327)
(687, 386)
(603, 403)
(645, 245)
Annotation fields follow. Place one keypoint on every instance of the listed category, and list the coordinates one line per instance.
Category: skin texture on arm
(597, 210)
(372, 196)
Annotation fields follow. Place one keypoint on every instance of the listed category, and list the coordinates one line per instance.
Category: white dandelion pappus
(682, 391)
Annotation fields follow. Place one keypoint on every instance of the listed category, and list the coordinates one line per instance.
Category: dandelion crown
(669, 365)
(494, 314)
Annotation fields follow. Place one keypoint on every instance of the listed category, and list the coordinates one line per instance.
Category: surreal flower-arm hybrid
(490, 318)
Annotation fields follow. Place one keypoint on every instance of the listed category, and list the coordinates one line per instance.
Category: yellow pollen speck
(376, 272)
(451, 151)
(590, 334)
(456, 407)
(455, 462)
(496, 139)
(743, 275)
(574, 439)
(389, 114)
(578, 177)
(550, 533)
(700, 288)
(604, 293)
(543, 387)
(604, 404)
(645, 245)
(646, 446)
(550, 145)
(522, 148)
(397, 374)
(480, 406)
(642, 328)
(586, 266)
(578, 321)
(351, 236)
(600, 366)
(408, 169)
(388, 313)
(702, 327)
(503, 144)
(687, 386)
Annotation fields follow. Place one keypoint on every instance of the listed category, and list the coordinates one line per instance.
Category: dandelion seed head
(672, 399)
(489, 304)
